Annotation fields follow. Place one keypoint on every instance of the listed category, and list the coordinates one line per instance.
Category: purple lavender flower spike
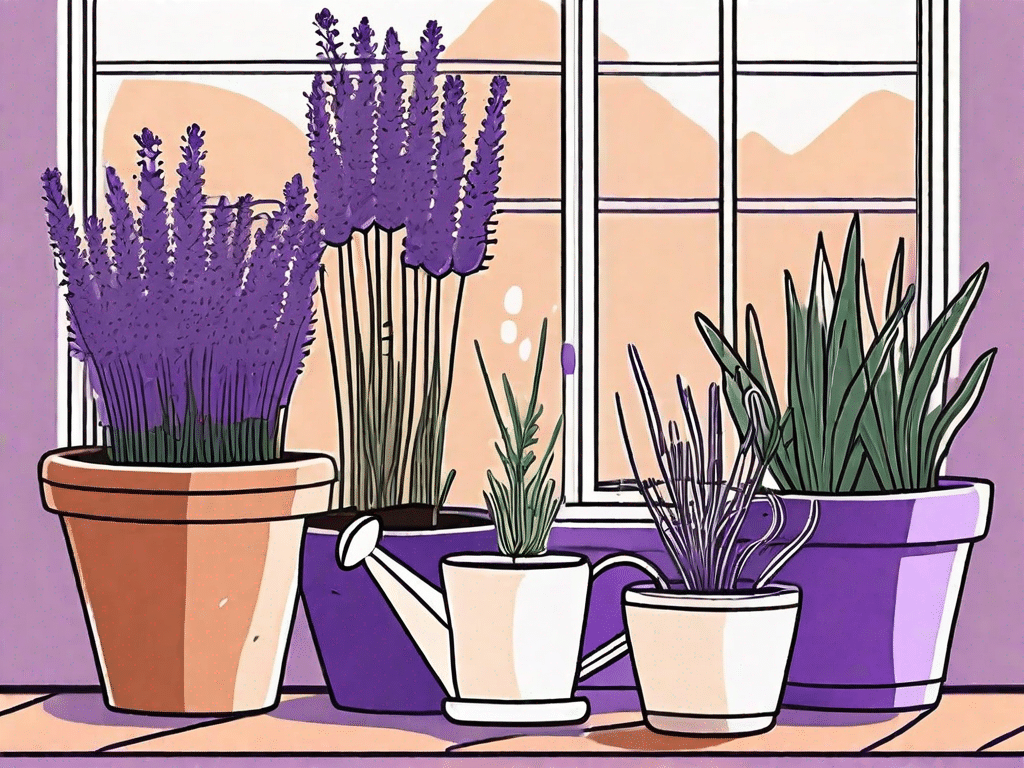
(391, 137)
(192, 365)
(421, 153)
(482, 184)
(328, 172)
(327, 30)
(451, 167)
(241, 236)
(297, 317)
(99, 256)
(294, 212)
(219, 261)
(156, 241)
(187, 215)
(126, 249)
(72, 263)
(295, 205)
(326, 26)
(359, 152)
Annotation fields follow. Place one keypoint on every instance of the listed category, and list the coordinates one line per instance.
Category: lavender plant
(192, 330)
(387, 161)
(699, 511)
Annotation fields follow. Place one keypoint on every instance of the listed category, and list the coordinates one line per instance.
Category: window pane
(655, 272)
(528, 264)
(264, 117)
(283, 29)
(656, 30)
(826, 137)
(772, 243)
(658, 136)
(827, 30)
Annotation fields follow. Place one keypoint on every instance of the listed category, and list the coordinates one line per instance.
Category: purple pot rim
(948, 486)
(485, 525)
(312, 529)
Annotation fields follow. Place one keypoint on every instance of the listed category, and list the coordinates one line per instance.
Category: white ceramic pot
(711, 664)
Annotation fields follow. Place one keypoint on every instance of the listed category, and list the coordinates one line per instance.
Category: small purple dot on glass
(568, 359)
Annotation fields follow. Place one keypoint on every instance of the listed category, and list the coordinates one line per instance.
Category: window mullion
(728, 203)
(574, 243)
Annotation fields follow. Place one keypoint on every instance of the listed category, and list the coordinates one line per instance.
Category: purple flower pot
(368, 660)
(881, 578)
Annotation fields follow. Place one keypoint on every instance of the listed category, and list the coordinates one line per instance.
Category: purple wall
(41, 628)
(990, 634)
(42, 634)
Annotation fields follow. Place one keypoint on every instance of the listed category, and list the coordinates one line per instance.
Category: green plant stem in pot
(734, 622)
(523, 505)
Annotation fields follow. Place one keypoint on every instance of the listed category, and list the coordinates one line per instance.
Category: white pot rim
(772, 597)
(493, 561)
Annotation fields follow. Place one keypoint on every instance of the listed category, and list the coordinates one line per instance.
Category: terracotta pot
(188, 575)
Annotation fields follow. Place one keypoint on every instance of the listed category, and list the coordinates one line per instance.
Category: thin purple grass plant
(192, 339)
(698, 510)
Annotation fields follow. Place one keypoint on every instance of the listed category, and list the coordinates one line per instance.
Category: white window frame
(938, 208)
(938, 202)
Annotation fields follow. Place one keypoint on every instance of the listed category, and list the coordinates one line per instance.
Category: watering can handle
(618, 646)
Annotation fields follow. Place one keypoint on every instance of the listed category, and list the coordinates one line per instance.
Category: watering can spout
(417, 603)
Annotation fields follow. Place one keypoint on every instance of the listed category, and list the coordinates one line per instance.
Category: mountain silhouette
(868, 151)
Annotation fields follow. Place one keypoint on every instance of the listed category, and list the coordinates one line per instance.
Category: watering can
(504, 634)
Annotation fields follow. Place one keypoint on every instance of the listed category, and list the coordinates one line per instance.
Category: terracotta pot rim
(69, 457)
(61, 472)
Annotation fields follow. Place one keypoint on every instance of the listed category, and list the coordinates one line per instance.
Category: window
(722, 138)
(661, 158)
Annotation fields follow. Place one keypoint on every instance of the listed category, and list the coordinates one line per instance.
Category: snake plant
(868, 410)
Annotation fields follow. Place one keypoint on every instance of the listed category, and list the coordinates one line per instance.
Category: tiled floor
(77, 725)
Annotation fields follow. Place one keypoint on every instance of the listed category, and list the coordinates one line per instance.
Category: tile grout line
(1000, 739)
(26, 704)
(454, 748)
(897, 733)
(170, 732)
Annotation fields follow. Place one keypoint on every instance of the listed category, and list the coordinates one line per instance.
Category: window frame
(938, 202)
(937, 194)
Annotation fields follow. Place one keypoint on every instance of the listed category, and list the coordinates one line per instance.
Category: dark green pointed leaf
(845, 339)
(923, 376)
(954, 414)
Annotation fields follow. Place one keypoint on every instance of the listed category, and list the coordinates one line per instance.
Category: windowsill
(974, 725)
